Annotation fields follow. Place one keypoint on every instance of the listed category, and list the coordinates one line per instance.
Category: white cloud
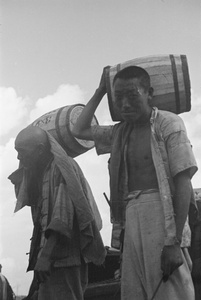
(13, 109)
(8, 159)
(8, 163)
(64, 96)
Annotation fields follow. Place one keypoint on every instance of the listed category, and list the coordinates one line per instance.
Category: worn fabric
(144, 239)
(66, 206)
(65, 283)
(56, 213)
(171, 154)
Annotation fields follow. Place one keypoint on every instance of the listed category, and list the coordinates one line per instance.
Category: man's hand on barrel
(102, 85)
(171, 259)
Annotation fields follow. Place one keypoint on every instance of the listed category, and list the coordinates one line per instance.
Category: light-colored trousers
(141, 265)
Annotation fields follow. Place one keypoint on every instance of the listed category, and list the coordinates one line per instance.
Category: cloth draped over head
(86, 210)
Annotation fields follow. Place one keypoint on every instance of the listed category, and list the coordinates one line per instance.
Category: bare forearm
(181, 201)
(171, 257)
(82, 128)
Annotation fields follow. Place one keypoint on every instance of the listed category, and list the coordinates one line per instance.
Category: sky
(52, 55)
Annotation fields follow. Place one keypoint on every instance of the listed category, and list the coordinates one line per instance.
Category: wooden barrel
(59, 123)
(169, 77)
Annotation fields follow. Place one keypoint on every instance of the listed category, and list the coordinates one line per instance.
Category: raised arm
(82, 128)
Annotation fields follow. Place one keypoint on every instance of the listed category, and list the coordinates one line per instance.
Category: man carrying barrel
(66, 219)
(150, 167)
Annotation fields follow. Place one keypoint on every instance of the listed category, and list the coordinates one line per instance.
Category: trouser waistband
(137, 193)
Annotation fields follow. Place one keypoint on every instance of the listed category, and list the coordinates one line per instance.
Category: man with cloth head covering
(150, 168)
(66, 219)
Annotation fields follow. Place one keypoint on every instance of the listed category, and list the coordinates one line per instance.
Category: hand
(43, 269)
(102, 85)
(117, 274)
(171, 259)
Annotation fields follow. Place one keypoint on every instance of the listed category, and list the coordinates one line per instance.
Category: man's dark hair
(134, 72)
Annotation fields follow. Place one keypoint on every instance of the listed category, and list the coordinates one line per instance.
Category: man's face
(131, 100)
(27, 154)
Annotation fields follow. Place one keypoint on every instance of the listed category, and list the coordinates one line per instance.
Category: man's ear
(150, 96)
(151, 92)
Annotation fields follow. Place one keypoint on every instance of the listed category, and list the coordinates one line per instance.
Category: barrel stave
(59, 124)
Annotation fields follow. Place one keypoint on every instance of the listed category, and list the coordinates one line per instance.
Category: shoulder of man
(168, 122)
(54, 174)
(58, 174)
(118, 127)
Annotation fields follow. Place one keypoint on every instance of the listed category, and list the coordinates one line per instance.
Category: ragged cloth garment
(144, 239)
(71, 196)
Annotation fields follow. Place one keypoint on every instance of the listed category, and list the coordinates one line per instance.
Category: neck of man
(144, 119)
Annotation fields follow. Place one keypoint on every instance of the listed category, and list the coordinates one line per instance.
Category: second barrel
(59, 124)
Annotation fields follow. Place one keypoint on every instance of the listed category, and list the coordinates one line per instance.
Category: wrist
(45, 253)
(100, 91)
(44, 256)
(172, 241)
